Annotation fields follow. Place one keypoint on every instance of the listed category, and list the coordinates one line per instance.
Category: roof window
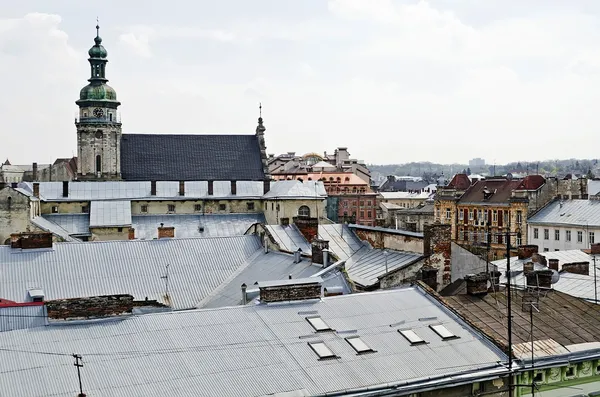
(318, 324)
(359, 345)
(443, 332)
(321, 349)
(412, 337)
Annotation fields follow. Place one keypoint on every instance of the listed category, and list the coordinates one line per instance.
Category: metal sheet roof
(195, 225)
(196, 268)
(289, 238)
(53, 228)
(22, 317)
(110, 213)
(74, 224)
(569, 212)
(246, 351)
(368, 265)
(295, 189)
(122, 190)
(342, 241)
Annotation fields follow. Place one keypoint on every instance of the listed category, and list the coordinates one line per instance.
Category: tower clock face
(98, 112)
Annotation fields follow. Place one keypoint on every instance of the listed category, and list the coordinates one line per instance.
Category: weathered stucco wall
(275, 210)
(109, 233)
(16, 212)
(391, 240)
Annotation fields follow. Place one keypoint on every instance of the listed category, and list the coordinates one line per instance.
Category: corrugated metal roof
(195, 225)
(569, 212)
(74, 224)
(110, 213)
(289, 238)
(196, 268)
(245, 351)
(121, 190)
(22, 317)
(342, 241)
(405, 195)
(367, 265)
(294, 189)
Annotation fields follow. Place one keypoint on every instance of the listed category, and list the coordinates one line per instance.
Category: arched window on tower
(304, 211)
(98, 164)
(110, 116)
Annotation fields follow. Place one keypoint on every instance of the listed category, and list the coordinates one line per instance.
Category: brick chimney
(309, 227)
(477, 284)
(153, 188)
(539, 278)
(527, 251)
(290, 290)
(131, 233)
(318, 246)
(429, 277)
(553, 264)
(538, 258)
(210, 188)
(233, 188)
(65, 189)
(166, 231)
(595, 249)
(36, 189)
(266, 186)
(528, 267)
(34, 172)
(31, 240)
(182, 188)
(577, 268)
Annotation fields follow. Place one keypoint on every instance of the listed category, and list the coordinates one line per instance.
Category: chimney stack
(266, 186)
(153, 188)
(36, 189)
(65, 190)
(318, 246)
(244, 296)
(210, 188)
(182, 188)
(596, 249)
(539, 258)
(31, 240)
(527, 251)
(528, 267)
(166, 231)
(233, 188)
(553, 264)
(477, 284)
(266, 244)
(290, 290)
(577, 268)
(539, 279)
(34, 168)
(131, 234)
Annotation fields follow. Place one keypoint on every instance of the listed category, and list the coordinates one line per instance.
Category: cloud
(138, 43)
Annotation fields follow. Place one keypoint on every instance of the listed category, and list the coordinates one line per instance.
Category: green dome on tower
(102, 92)
(98, 50)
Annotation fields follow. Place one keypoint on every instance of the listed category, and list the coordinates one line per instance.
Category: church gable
(146, 157)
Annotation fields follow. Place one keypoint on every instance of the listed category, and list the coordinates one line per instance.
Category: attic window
(487, 193)
(443, 332)
(412, 337)
(321, 349)
(359, 345)
(318, 324)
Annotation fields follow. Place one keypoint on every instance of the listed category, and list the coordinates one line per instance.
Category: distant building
(402, 184)
(476, 163)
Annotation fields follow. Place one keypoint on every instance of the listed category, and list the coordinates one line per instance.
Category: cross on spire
(97, 26)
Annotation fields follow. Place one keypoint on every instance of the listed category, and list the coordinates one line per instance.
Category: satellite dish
(555, 277)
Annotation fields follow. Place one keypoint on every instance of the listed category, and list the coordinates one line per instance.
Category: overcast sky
(394, 81)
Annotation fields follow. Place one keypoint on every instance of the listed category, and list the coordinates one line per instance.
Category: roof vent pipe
(298, 256)
(266, 242)
(325, 257)
(244, 297)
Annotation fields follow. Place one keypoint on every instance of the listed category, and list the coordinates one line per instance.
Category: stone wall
(103, 139)
(391, 239)
(16, 212)
(290, 292)
(91, 307)
(403, 276)
(438, 251)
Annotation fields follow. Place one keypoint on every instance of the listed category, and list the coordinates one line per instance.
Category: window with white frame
(568, 235)
(556, 234)
(519, 217)
(448, 213)
(461, 215)
(546, 234)
(579, 236)
(470, 215)
(591, 237)
(494, 216)
(536, 233)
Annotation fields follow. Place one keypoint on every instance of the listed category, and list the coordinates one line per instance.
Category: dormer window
(487, 193)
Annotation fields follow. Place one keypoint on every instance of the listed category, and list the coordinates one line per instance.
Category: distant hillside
(428, 169)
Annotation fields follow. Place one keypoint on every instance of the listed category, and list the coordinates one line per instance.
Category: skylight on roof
(359, 345)
(318, 324)
(321, 349)
(412, 337)
(443, 332)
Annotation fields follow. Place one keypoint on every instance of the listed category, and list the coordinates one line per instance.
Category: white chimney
(298, 256)
(244, 297)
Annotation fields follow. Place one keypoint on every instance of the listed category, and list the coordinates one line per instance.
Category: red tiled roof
(500, 189)
(532, 182)
(460, 182)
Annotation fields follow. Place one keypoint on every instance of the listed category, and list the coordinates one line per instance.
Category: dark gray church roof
(166, 157)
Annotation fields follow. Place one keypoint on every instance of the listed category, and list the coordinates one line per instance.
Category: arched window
(304, 211)
(110, 116)
(98, 164)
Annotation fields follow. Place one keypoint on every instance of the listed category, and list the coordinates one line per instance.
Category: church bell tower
(98, 124)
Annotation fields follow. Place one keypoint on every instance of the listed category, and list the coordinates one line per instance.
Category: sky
(394, 81)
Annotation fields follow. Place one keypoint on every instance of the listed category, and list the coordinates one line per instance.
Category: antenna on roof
(79, 365)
